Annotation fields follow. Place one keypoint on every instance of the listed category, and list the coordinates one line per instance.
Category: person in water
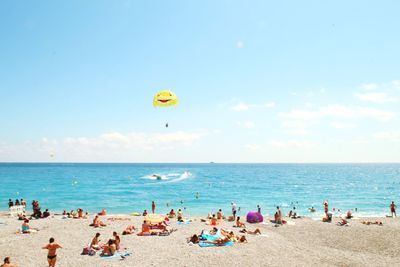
(393, 209)
(52, 252)
(326, 206)
(10, 203)
(7, 263)
(153, 207)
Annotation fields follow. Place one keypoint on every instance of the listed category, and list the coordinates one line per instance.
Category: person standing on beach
(7, 263)
(52, 255)
(326, 206)
(393, 209)
(153, 206)
(258, 209)
(234, 209)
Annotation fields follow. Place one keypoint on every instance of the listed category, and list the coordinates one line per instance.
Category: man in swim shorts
(52, 255)
(393, 209)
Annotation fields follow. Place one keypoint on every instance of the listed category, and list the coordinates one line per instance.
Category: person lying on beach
(239, 223)
(255, 232)
(371, 222)
(26, 229)
(129, 230)
(103, 212)
(96, 242)
(117, 240)
(7, 263)
(172, 214)
(219, 242)
(343, 222)
(52, 249)
(109, 249)
(97, 222)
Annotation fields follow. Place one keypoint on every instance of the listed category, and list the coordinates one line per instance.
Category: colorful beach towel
(206, 245)
(117, 254)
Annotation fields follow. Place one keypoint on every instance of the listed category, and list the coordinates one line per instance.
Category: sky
(257, 81)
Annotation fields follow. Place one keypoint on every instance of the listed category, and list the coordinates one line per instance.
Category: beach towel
(206, 245)
(117, 254)
(184, 222)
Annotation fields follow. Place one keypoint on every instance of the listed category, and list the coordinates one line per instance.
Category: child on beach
(52, 249)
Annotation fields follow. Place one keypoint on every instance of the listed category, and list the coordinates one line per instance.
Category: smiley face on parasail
(165, 99)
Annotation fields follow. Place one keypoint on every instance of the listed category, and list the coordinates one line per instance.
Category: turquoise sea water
(125, 188)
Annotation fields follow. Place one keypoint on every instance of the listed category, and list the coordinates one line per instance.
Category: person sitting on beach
(349, 214)
(255, 232)
(180, 215)
(7, 263)
(26, 229)
(95, 244)
(194, 239)
(97, 222)
(129, 230)
(145, 228)
(327, 217)
(103, 212)
(213, 220)
(144, 213)
(172, 214)
(109, 249)
(51, 255)
(239, 223)
(117, 240)
(46, 213)
(278, 216)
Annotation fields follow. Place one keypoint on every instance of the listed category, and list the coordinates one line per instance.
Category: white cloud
(246, 124)
(252, 147)
(241, 107)
(295, 127)
(369, 86)
(291, 144)
(393, 136)
(338, 111)
(342, 125)
(239, 44)
(244, 106)
(375, 97)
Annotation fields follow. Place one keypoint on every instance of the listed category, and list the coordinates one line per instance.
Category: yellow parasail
(165, 99)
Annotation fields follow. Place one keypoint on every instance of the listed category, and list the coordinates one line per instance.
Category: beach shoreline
(301, 242)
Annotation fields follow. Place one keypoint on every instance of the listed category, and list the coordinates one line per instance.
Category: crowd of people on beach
(155, 224)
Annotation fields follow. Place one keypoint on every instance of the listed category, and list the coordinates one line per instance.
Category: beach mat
(117, 254)
(207, 245)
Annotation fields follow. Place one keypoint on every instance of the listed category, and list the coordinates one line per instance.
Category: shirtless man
(52, 255)
(7, 263)
(393, 209)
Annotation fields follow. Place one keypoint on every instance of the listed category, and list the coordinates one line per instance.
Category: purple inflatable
(254, 217)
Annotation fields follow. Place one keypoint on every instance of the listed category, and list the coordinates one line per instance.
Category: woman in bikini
(52, 249)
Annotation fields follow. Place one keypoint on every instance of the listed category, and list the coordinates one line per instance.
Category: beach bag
(88, 251)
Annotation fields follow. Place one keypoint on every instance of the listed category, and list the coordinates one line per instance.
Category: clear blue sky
(258, 81)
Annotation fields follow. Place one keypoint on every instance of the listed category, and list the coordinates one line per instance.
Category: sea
(199, 189)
